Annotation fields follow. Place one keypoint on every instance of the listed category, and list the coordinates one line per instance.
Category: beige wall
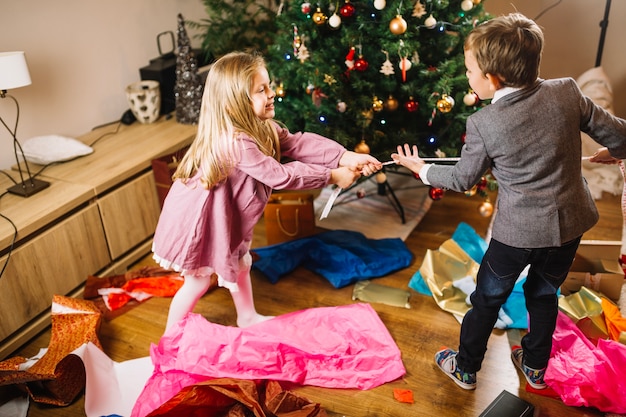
(82, 53)
(572, 36)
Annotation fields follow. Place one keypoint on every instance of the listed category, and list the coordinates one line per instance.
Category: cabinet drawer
(130, 214)
(55, 262)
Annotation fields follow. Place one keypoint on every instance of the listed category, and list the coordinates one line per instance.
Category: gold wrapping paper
(585, 309)
(441, 268)
(368, 292)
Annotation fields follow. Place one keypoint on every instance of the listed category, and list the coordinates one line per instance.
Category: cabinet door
(55, 262)
(130, 214)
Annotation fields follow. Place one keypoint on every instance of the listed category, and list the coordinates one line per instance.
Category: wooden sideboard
(96, 218)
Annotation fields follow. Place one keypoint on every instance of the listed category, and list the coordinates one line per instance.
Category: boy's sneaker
(446, 360)
(533, 376)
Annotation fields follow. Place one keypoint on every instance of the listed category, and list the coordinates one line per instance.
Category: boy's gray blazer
(530, 139)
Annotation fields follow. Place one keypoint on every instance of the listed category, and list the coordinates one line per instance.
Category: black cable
(12, 241)
(117, 129)
(9, 177)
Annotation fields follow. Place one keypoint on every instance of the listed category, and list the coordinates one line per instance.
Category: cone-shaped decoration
(188, 88)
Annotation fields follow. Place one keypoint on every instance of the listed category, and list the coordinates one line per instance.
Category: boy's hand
(602, 156)
(408, 157)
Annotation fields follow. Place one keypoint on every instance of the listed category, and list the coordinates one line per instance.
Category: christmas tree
(375, 74)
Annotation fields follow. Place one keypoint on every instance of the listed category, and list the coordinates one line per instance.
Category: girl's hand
(362, 162)
(344, 177)
(602, 156)
(408, 157)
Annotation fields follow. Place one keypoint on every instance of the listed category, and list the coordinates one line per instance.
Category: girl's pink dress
(201, 228)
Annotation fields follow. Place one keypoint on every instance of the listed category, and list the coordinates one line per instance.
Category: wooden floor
(419, 331)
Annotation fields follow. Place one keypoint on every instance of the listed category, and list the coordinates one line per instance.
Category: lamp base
(28, 187)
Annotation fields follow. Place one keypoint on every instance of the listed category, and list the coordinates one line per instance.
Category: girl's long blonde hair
(227, 111)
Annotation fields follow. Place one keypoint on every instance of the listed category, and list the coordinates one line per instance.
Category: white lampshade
(13, 70)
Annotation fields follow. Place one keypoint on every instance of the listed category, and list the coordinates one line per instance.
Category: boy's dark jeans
(496, 278)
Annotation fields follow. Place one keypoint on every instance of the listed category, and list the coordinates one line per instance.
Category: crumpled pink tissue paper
(334, 347)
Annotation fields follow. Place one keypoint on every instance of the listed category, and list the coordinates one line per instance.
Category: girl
(224, 181)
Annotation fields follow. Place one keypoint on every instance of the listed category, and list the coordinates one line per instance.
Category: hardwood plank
(419, 331)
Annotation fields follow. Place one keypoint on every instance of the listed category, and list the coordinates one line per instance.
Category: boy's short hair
(508, 47)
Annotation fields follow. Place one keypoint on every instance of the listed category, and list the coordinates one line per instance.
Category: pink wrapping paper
(584, 374)
(333, 347)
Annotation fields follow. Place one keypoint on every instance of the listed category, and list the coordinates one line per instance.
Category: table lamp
(14, 74)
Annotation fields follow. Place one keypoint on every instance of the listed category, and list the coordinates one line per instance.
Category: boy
(529, 136)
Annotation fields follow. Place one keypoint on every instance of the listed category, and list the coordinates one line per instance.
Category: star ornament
(329, 79)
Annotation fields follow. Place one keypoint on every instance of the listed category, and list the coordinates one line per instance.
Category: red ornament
(436, 193)
(463, 137)
(306, 7)
(482, 184)
(347, 10)
(360, 64)
(411, 105)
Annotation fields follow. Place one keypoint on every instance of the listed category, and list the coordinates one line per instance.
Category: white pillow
(44, 150)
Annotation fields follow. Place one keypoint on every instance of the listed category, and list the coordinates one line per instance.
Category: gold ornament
(398, 25)
(377, 104)
(486, 209)
(280, 91)
(362, 147)
(472, 191)
(445, 103)
(476, 2)
(329, 79)
(381, 177)
(392, 104)
(319, 17)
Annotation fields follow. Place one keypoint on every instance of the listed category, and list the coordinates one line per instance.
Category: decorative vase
(144, 98)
